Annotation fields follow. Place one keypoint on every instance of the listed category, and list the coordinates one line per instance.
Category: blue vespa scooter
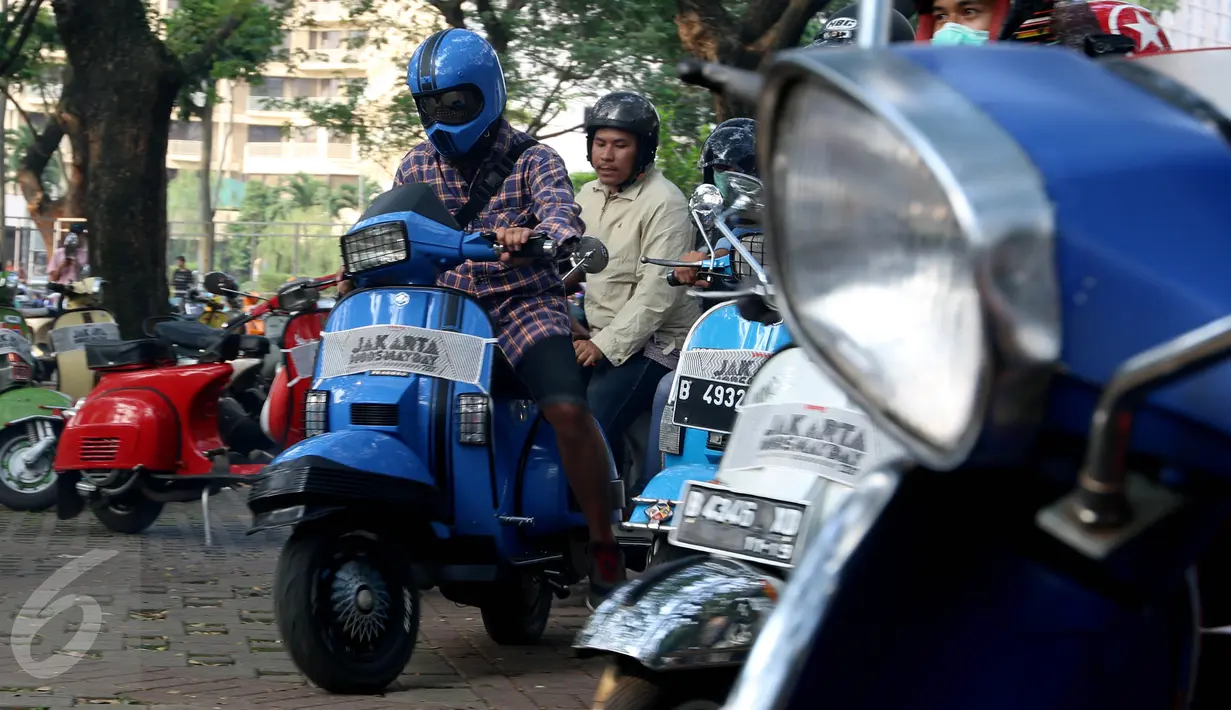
(717, 362)
(426, 463)
(1054, 369)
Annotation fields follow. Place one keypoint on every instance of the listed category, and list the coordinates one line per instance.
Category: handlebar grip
(671, 280)
(540, 246)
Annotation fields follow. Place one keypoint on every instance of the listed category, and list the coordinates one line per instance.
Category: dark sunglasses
(451, 107)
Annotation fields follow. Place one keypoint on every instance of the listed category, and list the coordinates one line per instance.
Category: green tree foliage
(273, 218)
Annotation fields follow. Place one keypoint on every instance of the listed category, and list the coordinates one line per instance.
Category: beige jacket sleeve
(667, 236)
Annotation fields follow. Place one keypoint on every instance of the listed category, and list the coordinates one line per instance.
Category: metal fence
(260, 255)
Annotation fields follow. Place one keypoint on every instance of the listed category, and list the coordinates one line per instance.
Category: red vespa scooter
(150, 433)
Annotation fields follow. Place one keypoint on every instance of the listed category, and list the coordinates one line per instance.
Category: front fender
(698, 612)
(665, 489)
(346, 469)
(27, 402)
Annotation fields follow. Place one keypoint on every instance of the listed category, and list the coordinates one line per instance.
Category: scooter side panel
(121, 429)
(544, 490)
(697, 613)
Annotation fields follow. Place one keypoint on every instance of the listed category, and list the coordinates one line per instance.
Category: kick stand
(209, 538)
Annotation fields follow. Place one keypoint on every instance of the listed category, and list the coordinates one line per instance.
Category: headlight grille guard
(1020, 304)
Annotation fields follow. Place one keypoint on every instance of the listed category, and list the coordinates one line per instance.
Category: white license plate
(735, 524)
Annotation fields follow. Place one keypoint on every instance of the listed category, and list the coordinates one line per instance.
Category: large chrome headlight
(910, 240)
(372, 247)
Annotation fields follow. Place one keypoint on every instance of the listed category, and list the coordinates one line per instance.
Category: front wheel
(676, 690)
(130, 516)
(27, 485)
(515, 613)
(347, 609)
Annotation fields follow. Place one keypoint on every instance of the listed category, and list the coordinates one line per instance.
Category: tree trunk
(708, 31)
(125, 83)
(44, 211)
(206, 247)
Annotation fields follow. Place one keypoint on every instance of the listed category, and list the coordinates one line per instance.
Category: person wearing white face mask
(962, 22)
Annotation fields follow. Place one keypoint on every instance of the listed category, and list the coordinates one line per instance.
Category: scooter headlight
(372, 247)
(316, 412)
(891, 234)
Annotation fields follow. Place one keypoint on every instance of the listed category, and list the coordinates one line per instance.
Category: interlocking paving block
(183, 626)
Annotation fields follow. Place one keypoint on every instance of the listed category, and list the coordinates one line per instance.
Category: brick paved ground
(188, 626)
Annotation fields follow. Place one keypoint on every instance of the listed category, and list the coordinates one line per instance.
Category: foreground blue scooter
(1054, 365)
(721, 354)
(425, 463)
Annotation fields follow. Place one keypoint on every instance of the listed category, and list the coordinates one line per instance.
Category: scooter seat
(187, 334)
(127, 354)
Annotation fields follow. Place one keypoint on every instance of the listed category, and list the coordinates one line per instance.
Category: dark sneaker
(606, 572)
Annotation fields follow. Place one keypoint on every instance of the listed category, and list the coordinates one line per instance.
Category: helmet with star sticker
(1134, 22)
(1095, 26)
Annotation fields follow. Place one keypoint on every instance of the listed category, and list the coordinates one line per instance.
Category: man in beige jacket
(638, 322)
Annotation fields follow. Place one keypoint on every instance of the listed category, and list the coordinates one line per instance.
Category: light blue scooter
(694, 411)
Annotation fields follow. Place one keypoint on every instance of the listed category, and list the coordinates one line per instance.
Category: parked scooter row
(1055, 465)
(155, 431)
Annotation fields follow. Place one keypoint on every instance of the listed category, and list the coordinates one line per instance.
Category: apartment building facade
(250, 141)
(1196, 24)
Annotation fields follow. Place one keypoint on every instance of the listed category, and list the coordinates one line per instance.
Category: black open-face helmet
(626, 111)
(843, 28)
(733, 144)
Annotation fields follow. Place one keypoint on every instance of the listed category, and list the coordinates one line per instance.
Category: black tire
(130, 516)
(19, 495)
(668, 691)
(515, 613)
(321, 569)
(663, 552)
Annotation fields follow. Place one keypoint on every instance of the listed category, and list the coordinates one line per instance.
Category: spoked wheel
(515, 612)
(129, 515)
(347, 608)
(26, 485)
(676, 690)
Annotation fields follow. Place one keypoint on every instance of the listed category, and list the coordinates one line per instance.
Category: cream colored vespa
(798, 446)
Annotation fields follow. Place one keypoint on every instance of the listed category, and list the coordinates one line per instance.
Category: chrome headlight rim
(1022, 332)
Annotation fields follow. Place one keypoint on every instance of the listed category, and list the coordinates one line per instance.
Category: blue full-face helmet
(458, 86)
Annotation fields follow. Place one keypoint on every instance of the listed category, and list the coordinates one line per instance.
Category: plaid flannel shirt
(528, 303)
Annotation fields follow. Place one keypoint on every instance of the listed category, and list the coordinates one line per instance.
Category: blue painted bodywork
(1140, 196)
(1140, 251)
(720, 328)
(518, 473)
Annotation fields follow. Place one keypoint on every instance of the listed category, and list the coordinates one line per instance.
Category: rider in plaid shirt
(527, 301)
(458, 86)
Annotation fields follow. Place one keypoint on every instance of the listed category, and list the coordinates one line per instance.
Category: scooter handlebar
(540, 247)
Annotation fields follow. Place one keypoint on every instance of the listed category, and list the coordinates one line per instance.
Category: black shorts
(549, 370)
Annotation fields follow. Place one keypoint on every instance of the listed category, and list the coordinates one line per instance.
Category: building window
(303, 88)
(272, 86)
(339, 138)
(186, 131)
(303, 135)
(325, 39)
(264, 134)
